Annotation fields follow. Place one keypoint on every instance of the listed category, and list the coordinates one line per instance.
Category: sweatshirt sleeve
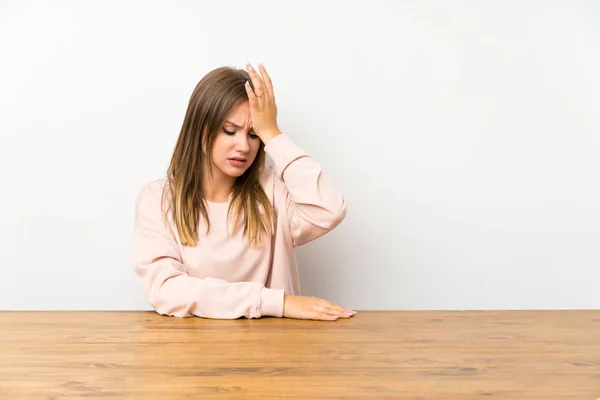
(314, 204)
(168, 287)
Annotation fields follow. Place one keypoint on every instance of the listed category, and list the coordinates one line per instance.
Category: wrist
(269, 135)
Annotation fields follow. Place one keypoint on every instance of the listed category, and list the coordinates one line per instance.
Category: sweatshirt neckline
(219, 203)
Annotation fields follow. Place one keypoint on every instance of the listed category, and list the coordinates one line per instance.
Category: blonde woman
(216, 237)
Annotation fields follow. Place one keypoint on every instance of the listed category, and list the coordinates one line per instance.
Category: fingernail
(336, 317)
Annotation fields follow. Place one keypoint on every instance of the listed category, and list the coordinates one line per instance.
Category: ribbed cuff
(271, 302)
(283, 151)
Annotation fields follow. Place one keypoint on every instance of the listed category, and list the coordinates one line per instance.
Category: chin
(235, 172)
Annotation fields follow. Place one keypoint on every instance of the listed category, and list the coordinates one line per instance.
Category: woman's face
(236, 145)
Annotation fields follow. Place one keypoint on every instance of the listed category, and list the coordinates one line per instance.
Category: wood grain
(375, 355)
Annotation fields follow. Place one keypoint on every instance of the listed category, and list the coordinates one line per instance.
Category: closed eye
(250, 133)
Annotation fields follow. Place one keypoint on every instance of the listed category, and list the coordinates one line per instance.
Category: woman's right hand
(309, 307)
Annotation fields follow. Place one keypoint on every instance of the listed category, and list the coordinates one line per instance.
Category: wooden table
(375, 355)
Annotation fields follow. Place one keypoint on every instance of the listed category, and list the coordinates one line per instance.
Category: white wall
(464, 135)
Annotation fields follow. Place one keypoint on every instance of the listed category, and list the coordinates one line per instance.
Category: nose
(242, 142)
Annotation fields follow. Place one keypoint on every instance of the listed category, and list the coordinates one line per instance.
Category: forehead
(240, 114)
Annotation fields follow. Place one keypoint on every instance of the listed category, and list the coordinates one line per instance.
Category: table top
(376, 354)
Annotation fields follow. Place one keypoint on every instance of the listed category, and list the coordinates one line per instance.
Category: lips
(237, 162)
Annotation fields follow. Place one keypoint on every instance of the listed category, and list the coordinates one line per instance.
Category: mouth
(237, 161)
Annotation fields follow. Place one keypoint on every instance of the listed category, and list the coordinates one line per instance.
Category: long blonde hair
(211, 102)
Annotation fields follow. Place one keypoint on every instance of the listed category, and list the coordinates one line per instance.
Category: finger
(340, 312)
(320, 316)
(267, 80)
(251, 96)
(256, 80)
(322, 308)
(337, 307)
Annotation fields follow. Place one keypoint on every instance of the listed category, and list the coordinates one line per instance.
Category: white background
(465, 136)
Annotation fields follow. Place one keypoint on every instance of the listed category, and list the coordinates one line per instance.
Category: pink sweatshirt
(224, 276)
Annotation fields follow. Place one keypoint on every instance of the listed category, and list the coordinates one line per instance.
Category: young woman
(216, 237)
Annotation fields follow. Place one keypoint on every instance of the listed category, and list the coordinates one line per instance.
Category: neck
(218, 189)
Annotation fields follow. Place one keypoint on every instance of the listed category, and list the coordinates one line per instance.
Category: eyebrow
(237, 126)
(231, 123)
